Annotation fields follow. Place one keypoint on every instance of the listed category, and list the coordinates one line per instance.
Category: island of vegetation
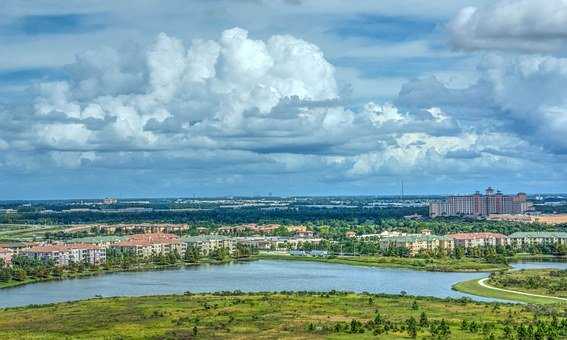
(297, 315)
(542, 286)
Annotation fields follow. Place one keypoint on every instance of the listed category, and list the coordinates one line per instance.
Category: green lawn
(552, 282)
(25, 232)
(257, 316)
(430, 264)
(474, 288)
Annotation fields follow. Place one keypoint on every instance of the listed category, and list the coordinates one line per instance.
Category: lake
(262, 275)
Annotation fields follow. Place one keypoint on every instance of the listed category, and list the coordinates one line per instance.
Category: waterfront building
(469, 240)
(417, 242)
(146, 245)
(479, 205)
(294, 242)
(65, 254)
(207, 244)
(277, 242)
(520, 239)
(258, 242)
(103, 241)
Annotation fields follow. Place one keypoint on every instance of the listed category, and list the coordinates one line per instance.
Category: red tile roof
(149, 239)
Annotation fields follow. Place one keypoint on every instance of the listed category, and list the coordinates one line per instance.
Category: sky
(289, 97)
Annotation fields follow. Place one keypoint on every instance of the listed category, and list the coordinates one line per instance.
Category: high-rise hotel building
(480, 205)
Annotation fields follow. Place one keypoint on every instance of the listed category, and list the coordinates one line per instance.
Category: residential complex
(276, 242)
(65, 254)
(468, 240)
(479, 205)
(103, 241)
(146, 245)
(207, 244)
(134, 228)
(537, 238)
(251, 227)
(531, 218)
(416, 243)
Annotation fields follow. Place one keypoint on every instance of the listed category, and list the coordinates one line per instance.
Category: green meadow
(279, 315)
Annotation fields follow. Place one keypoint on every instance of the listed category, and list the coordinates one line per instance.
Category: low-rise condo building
(207, 244)
(277, 242)
(418, 242)
(469, 240)
(249, 227)
(520, 239)
(65, 254)
(138, 228)
(103, 241)
(146, 245)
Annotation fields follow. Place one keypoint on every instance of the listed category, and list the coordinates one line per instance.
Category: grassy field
(261, 316)
(431, 264)
(551, 282)
(25, 232)
(473, 287)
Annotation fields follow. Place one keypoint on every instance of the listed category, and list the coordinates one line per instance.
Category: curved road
(482, 282)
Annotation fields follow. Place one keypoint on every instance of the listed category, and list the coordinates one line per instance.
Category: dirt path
(482, 282)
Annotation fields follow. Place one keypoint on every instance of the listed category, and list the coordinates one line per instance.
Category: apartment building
(249, 227)
(146, 245)
(276, 242)
(207, 244)
(65, 254)
(469, 240)
(137, 228)
(417, 242)
(103, 241)
(480, 205)
(520, 239)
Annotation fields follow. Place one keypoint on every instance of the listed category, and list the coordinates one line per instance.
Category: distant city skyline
(234, 97)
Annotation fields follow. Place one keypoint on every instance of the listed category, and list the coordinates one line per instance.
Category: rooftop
(475, 236)
(97, 239)
(149, 239)
(204, 238)
(416, 237)
(556, 234)
(56, 248)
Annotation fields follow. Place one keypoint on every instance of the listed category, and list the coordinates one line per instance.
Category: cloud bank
(236, 110)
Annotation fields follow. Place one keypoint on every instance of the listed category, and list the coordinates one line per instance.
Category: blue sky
(306, 97)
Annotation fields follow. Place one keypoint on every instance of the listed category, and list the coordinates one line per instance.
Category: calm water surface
(263, 275)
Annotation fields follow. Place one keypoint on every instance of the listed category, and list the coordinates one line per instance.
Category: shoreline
(389, 262)
(84, 275)
(364, 261)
